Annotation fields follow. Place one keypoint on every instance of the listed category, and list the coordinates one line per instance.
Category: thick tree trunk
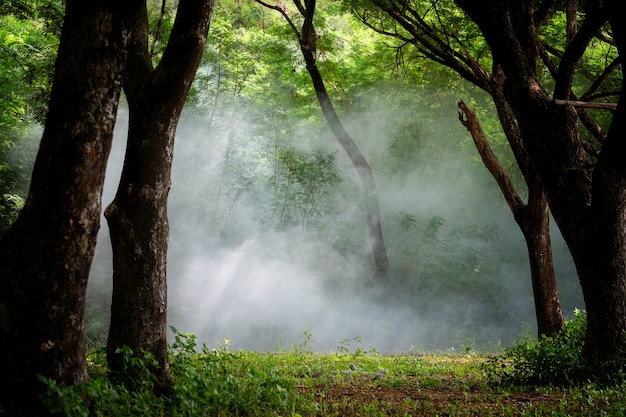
(588, 203)
(139, 232)
(137, 217)
(45, 258)
(603, 275)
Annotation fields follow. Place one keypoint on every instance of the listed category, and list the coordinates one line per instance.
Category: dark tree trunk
(533, 218)
(604, 282)
(137, 217)
(534, 222)
(588, 203)
(45, 258)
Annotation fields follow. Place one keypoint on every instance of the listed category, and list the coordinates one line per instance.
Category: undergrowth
(534, 377)
(555, 360)
(212, 382)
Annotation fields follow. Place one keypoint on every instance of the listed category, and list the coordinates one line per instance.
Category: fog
(265, 271)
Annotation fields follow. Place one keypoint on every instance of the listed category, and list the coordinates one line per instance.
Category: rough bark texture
(605, 279)
(137, 217)
(533, 219)
(588, 204)
(534, 222)
(45, 258)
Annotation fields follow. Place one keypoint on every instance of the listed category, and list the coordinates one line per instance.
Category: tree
(45, 257)
(586, 193)
(576, 163)
(533, 219)
(137, 217)
(428, 29)
(307, 38)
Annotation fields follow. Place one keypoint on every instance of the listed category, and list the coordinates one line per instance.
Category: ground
(442, 386)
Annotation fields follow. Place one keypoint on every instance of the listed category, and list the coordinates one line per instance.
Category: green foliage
(27, 53)
(428, 248)
(212, 382)
(100, 397)
(221, 382)
(550, 360)
(298, 382)
(300, 182)
(28, 41)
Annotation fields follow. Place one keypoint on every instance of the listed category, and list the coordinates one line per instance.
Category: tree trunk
(604, 281)
(533, 218)
(137, 217)
(308, 46)
(45, 258)
(534, 222)
(588, 203)
(372, 208)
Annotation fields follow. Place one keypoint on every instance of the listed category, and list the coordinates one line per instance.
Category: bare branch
(468, 119)
(587, 104)
(282, 11)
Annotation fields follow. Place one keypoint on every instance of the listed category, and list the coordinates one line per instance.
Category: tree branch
(587, 104)
(283, 12)
(468, 119)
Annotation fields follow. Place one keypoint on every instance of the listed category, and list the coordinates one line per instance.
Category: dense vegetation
(544, 377)
(258, 176)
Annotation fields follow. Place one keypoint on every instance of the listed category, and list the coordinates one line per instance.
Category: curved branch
(283, 12)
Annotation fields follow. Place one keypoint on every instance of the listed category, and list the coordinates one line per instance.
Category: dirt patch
(410, 397)
(430, 401)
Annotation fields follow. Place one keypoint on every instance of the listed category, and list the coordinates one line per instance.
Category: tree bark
(137, 217)
(588, 203)
(604, 283)
(533, 219)
(46, 256)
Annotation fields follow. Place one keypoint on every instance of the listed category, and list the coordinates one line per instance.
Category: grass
(298, 383)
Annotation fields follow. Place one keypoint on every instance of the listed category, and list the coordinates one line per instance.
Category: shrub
(549, 360)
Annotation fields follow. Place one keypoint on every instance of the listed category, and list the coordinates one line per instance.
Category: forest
(314, 197)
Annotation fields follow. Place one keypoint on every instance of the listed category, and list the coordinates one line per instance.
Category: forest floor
(301, 383)
(413, 400)
(449, 385)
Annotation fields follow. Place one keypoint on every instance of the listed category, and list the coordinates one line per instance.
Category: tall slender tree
(533, 218)
(307, 38)
(46, 256)
(137, 217)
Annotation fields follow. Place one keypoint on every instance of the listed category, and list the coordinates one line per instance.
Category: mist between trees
(268, 238)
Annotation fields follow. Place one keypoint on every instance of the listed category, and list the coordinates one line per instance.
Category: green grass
(298, 382)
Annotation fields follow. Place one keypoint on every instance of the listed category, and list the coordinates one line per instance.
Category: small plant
(305, 346)
(221, 382)
(344, 347)
(101, 397)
